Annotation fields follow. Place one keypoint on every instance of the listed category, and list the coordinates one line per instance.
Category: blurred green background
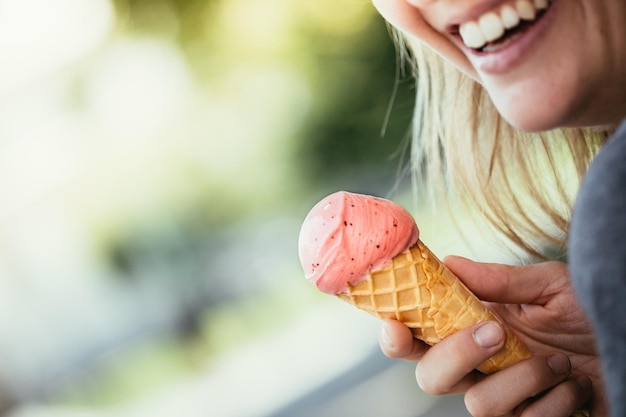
(156, 160)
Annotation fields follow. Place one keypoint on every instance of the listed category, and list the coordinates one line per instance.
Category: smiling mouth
(495, 29)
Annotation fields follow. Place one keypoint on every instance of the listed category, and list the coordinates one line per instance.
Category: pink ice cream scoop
(367, 252)
(347, 235)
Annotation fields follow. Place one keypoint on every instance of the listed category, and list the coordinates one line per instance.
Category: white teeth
(509, 17)
(472, 35)
(526, 9)
(492, 25)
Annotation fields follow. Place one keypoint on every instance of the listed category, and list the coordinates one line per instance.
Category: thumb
(508, 284)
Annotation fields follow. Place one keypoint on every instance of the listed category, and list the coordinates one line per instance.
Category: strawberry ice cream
(366, 251)
(346, 235)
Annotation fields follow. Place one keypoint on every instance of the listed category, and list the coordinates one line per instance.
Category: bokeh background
(156, 160)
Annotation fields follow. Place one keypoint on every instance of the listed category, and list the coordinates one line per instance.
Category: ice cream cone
(418, 290)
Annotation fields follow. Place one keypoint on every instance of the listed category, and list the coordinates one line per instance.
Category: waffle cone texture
(418, 290)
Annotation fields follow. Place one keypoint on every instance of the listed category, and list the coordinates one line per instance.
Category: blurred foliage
(363, 106)
(189, 222)
(361, 100)
(345, 112)
(343, 122)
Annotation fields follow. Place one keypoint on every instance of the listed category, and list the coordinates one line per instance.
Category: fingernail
(584, 383)
(488, 335)
(385, 340)
(559, 364)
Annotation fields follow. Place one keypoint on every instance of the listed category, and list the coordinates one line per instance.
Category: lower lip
(501, 61)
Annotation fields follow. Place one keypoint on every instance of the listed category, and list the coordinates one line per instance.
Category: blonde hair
(522, 185)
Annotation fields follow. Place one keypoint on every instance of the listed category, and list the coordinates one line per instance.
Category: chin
(535, 102)
(541, 112)
(555, 105)
(540, 118)
(534, 119)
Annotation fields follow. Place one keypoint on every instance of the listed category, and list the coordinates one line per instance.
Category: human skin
(567, 71)
(568, 76)
(538, 302)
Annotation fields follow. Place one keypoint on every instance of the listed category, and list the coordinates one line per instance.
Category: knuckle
(571, 394)
(532, 412)
(475, 405)
(538, 374)
(535, 379)
(423, 381)
(430, 382)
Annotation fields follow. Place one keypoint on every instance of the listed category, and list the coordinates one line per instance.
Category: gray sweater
(597, 261)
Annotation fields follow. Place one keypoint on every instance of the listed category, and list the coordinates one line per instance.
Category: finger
(527, 284)
(397, 341)
(505, 390)
(562, 400)
(448, 367)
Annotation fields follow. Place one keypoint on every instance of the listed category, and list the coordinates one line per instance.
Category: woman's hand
(538, 303)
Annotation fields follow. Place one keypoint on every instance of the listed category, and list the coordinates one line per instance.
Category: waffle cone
(419, 291)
